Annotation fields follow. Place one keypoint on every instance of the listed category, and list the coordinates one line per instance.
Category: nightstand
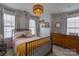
(3, 48)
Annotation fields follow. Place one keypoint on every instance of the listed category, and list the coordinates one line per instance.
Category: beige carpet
(10, 52)
(57, 51)
(60, 51)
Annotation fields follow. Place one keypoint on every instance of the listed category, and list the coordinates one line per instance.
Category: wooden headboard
(17, 30)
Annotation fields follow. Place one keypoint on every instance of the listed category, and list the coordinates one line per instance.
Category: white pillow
(18, 34)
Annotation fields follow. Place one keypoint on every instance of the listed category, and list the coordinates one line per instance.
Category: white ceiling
(48, 7)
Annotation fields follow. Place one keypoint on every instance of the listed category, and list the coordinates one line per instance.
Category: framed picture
(44, 23)
(57, 24)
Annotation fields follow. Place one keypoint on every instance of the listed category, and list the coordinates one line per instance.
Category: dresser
(66, 41)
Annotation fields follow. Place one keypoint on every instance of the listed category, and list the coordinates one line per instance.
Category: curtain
(9, 11)
(17, 17)
(73, 15)
(37, 24)
(1, 22)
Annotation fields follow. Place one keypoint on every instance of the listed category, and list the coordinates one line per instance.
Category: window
(73, 26)
(32, 26)
(9, 25)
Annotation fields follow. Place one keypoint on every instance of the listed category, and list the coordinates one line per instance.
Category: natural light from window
(9, 25)
(32, 26)
(73, 26)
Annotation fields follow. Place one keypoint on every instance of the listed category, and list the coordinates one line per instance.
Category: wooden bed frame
(34, 43)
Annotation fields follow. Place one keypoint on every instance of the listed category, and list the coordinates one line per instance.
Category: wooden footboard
(29, 48)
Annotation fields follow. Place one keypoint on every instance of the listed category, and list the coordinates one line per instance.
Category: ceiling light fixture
(38, 9)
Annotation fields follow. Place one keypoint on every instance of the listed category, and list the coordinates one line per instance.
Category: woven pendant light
(38, 9)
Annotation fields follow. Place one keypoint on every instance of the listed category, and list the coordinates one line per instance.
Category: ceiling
(48, 7)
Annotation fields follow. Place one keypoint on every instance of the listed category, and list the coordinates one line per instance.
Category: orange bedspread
(21, 49)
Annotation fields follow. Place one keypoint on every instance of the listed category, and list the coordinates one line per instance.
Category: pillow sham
(28, 34)
(21, 36)
(18, 34)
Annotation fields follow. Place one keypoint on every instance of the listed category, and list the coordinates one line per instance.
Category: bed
(32, 45)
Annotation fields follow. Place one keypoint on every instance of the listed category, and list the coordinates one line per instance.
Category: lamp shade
(38, 9)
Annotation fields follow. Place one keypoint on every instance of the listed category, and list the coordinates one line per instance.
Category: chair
(3, 46)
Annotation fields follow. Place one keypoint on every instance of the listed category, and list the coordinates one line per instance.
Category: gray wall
(58, 18)
(45, 31)
(22, 20)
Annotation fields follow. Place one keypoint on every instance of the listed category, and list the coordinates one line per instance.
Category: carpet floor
(10, 52)
(57, 51)
(60, 51)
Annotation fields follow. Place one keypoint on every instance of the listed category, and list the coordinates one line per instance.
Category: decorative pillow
(15, 36)
(21, 36)
(18, 34)
(28, 34)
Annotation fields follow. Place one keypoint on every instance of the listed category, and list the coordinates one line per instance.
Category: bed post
(26, 49)
(51, 39)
